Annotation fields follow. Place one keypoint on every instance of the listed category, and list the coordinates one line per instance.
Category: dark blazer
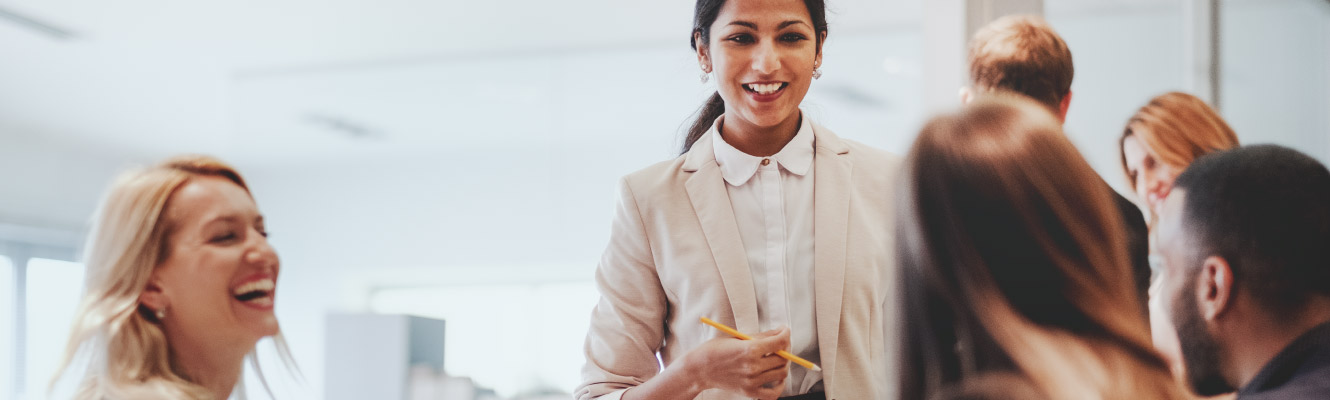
(1300, 371)
(1138, 246)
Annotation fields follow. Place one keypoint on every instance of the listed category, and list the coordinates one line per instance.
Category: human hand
(750, 367)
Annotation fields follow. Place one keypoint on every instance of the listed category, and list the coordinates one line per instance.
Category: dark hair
(1266, 210)
(704, 14)
(1001, 224)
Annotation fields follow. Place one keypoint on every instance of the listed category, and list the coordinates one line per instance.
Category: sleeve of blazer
(628, 324)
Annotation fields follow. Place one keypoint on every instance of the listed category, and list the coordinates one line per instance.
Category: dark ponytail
(704, 14)
(706, 116)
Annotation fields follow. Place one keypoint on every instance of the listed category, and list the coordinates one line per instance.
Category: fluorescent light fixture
(35, 25)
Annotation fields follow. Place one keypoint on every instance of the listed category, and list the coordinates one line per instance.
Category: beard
(1200, 351)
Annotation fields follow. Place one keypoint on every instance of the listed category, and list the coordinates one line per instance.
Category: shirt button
(766, 161)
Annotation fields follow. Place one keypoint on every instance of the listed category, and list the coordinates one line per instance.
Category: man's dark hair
(1266, 210)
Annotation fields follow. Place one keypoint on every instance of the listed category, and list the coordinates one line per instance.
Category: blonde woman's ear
(153, 297)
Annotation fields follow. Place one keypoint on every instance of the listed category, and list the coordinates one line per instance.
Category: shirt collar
(738, 167)
(1282, 368)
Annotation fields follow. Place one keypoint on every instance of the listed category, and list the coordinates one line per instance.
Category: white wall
(53, 185)
(1276, 73)
(1122, 59)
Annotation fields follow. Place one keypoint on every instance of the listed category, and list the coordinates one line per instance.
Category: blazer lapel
(711, 202)
(832, 171)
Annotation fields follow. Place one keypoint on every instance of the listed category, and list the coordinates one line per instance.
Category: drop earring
(704, 77)
(817, 73)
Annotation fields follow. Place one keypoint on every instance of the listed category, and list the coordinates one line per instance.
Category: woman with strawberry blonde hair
(180, 288)
(1163, 137)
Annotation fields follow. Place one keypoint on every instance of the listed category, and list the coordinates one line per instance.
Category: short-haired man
(1023, 54)
(1245, 242)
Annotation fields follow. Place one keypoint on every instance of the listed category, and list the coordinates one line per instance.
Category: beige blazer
(675, 255)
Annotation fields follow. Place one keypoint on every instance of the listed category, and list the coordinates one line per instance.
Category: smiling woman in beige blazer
(768, 222)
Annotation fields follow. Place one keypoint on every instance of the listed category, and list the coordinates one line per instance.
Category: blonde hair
(1023, 54)
(1013, 260)
(130, 355)
(1177, 127)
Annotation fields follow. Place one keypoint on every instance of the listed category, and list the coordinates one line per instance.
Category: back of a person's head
(1177, 128)
(1004, 199)
(1266, 210)
(1022, 54)
(1007, 235)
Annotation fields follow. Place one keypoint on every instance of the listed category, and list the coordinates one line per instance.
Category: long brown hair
(1013, 260)
(1178, 127)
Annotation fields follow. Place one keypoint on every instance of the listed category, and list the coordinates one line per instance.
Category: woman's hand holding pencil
(750, 365)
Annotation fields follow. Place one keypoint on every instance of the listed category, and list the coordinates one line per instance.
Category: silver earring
(160, 314)
(705, 76)
(817, 73)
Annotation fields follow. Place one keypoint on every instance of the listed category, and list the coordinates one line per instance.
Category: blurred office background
(457, 160)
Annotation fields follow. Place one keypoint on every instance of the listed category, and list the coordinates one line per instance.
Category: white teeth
(764, 88)
(264, 285)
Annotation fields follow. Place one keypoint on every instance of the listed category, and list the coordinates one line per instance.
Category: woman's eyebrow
(782, 25)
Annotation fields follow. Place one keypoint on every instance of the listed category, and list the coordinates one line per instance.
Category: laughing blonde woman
(181, 284)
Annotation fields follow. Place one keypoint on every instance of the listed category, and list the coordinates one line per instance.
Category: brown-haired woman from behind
(1013, 263)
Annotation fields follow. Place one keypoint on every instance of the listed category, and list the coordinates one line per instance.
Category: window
(7, 346)
(53, 290)
(1275, 73)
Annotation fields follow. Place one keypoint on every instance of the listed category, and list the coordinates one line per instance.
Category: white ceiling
(262, 79)
(258, 81)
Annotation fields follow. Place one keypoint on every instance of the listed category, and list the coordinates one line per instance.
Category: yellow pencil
(783, 354)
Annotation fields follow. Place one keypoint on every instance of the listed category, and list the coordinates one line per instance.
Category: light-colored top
(675, 255)
(772, 199)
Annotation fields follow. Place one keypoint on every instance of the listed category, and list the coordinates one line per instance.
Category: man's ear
(1214, 288)
(966, 94)
(1062, 108)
